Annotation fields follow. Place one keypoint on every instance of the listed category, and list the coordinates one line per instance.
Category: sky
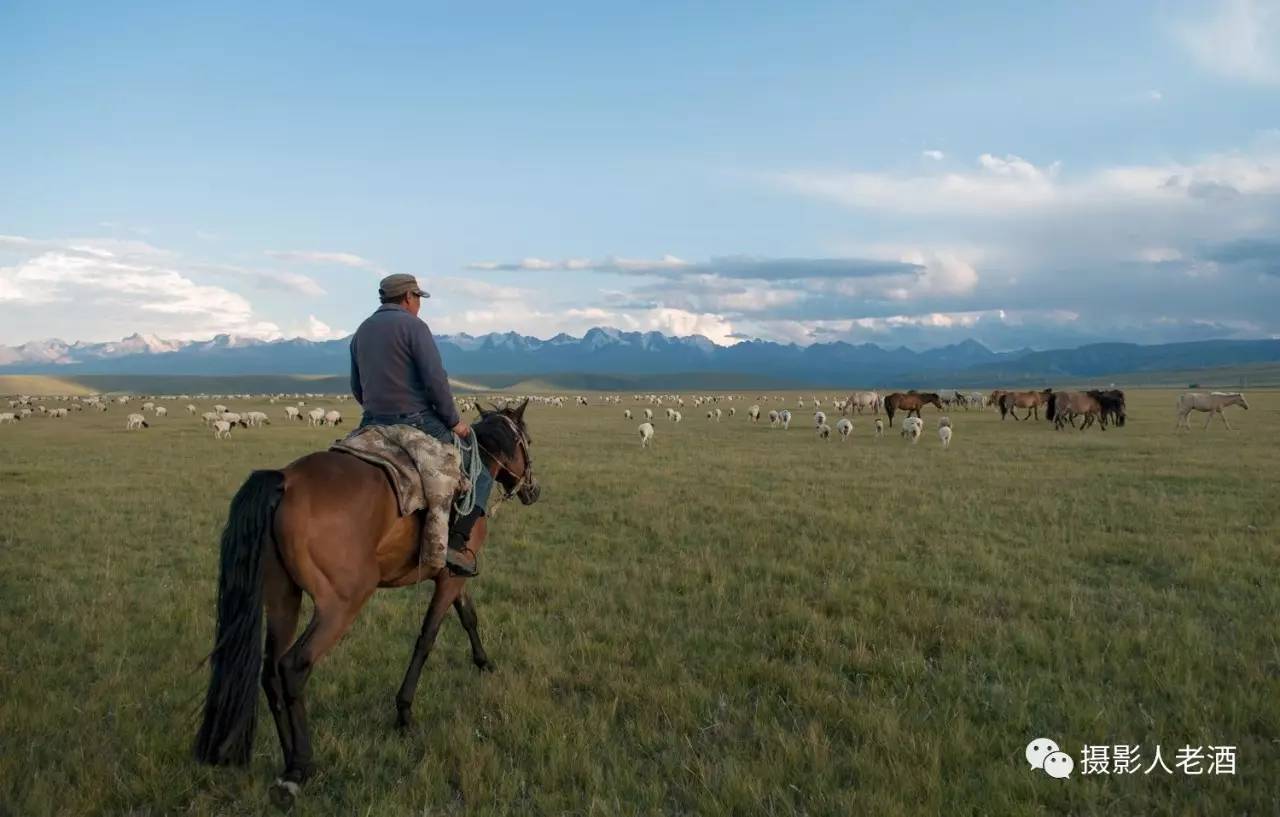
(1038, 175)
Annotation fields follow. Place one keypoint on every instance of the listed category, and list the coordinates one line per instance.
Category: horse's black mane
(497, 435)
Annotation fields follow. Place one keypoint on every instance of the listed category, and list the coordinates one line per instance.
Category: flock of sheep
(220, 420)
(912, 427)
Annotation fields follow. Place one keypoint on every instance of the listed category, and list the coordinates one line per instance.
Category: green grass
(736, 621)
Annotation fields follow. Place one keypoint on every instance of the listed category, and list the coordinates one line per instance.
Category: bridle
(522, 444)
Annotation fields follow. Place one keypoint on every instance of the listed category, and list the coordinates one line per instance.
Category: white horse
(864, 400)
(1213, 403)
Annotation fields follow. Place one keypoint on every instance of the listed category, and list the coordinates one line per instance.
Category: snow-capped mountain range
(607, 350)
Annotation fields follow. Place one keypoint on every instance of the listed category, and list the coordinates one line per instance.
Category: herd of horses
(1100, 406)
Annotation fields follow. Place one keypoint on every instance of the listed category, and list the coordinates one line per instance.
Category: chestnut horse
(910, 402)
(1029, 400)
(327, 525)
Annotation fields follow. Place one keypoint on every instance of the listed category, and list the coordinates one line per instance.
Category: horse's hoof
(404, 719)
(284, 793)
(486, 666)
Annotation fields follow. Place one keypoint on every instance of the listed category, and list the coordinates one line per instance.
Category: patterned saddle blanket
(424, 473)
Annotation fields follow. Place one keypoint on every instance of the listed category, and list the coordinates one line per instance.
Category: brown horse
(911, 402)
(1029, 400)
(327, 525)
(1065, 406)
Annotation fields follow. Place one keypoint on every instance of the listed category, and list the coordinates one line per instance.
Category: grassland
(736, 621)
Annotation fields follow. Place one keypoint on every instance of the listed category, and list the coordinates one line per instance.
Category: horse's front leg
(1208, 420)
(447, 589)
(471, 623)
(1223, 415)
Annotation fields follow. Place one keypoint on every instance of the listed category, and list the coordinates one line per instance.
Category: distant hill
(643, 360)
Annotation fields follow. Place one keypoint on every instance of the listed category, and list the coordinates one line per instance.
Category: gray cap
(393, 286)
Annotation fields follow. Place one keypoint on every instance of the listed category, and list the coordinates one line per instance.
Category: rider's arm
(426, 356)
(356, 391)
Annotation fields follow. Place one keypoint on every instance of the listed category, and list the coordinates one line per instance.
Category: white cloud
(479, 290)
(935, 155)
(1239, 39)
(1155, 96)
(607, 264)
(341, 259)
(1014, 185)
(317, 329)
(102, 289)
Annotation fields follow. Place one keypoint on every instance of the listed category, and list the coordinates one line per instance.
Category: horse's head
(1243, 402)
(504, 438)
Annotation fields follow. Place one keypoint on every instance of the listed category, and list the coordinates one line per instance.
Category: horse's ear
(520, 410)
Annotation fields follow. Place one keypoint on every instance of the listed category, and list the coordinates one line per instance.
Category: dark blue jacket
(396, 367)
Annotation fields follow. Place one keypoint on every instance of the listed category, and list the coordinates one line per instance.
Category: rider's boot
(460, 559)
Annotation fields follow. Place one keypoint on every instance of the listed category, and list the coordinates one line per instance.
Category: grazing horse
(911, 402)
(1112, 402)
(328, 525)
(1213, 403)
(1064, 407)
(860, 400)
(1029, 400)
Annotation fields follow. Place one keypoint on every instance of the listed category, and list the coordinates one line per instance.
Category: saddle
(425, 474)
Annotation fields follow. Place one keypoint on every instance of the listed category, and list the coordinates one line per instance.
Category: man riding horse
(397, 376)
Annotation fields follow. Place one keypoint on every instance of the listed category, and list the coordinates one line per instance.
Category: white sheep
(135, 422)
(879, 427)
(161, 411)
(845, 427)
(754, 413)
(944, 434)
(191, 409)
(944, 422)
(9, 417)
(292, 413)
(646, 434)
(315, 417)
(676, 416)
(785, 419)
(819, 418)
(257, 418)
(824, 432)
(627, 414)
(648, 414)
(221, 430)
(912, 428)
(773, 418)
(332, 418)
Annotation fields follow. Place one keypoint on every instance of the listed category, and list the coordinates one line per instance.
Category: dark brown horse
(1029, 400)
(327, 525)
(911, 402)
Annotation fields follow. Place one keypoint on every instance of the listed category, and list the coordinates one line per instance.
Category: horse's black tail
(231, 704)
(1048, 408)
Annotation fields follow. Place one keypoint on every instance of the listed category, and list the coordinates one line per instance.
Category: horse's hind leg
(283, 599)
(331, 620)
(1208, 420)
(1223, 415)
(471, 623)
(447, 589)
